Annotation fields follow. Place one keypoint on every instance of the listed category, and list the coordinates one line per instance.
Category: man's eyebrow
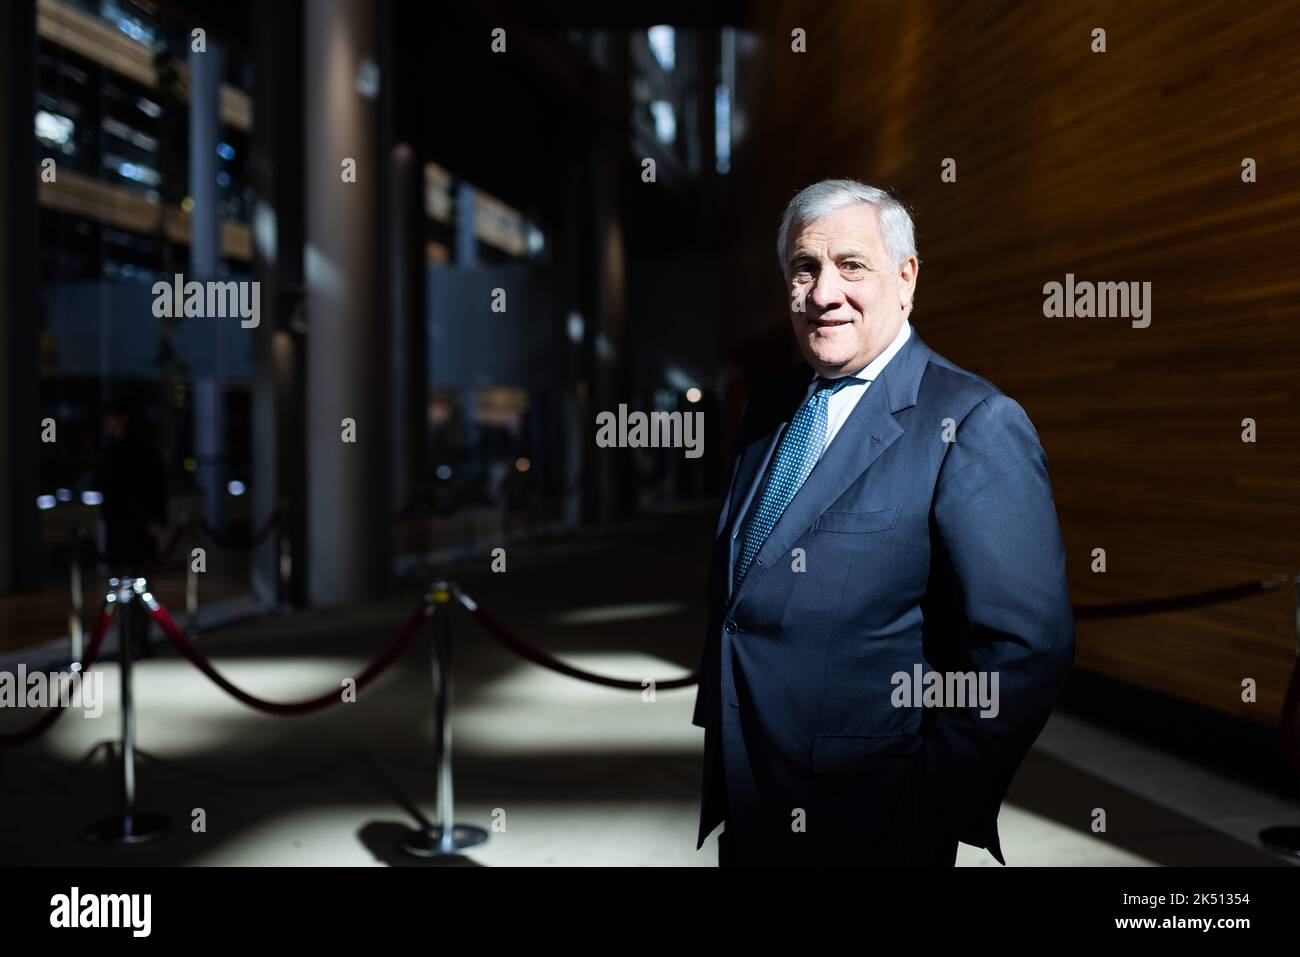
(839, 253)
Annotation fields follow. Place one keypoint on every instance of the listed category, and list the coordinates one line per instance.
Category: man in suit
(889, 624)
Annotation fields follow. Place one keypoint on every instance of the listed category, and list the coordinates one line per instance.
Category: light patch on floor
(531, 709)
(1030, 840)
(608, 613)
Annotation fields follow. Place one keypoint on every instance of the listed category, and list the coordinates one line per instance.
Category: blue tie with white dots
(800, 448)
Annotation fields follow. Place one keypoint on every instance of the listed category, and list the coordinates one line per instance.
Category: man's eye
(852, 265)
(802, 268)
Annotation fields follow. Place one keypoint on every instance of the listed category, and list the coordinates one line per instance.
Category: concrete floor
(561, 772)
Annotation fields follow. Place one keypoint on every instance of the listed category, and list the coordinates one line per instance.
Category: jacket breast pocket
(840, 753)
(857, 522)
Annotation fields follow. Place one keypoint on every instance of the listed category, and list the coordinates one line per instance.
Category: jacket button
(731, 627)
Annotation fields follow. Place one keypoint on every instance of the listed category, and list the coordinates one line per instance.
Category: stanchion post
(130, 826)
(75, 634)
(445, 837)
(192, 581)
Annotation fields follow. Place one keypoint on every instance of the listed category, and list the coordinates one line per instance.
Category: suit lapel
(869, 430)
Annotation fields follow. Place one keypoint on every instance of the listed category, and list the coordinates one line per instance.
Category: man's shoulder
(955, 389)
(978, 406)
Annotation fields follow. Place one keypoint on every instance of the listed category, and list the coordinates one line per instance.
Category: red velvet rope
(539, 657)
(1197, 599)
(190, 652)
(53, 714)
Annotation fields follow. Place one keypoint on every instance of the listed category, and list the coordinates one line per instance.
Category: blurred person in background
(133, 480)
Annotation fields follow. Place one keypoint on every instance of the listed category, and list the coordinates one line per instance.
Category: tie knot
(829, 387)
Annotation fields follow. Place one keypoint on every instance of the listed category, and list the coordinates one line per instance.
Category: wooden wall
(1122, 166)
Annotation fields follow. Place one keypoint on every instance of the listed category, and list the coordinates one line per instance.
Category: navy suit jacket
(927, 536)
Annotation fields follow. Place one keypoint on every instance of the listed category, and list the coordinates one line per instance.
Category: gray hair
(821, 199)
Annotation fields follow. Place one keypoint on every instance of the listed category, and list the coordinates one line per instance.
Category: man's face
(847, 298)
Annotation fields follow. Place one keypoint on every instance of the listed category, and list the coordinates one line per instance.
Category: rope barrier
(187, 649)
(539, 657)
(53, 713)
(191, 653)
(1152, 606)
(242, 543)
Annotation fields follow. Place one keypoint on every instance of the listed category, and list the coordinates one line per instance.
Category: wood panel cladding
(1123, 166)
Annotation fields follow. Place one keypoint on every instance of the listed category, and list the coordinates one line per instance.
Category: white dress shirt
(843, 402)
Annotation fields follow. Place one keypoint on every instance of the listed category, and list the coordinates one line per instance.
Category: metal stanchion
(75, 634)
(1285, 839)
(443, 838)
(130, 826)
(192, 582)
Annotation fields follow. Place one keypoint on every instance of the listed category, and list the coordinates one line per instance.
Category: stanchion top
(123, 589)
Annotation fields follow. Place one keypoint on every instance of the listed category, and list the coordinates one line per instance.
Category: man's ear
(907, 273)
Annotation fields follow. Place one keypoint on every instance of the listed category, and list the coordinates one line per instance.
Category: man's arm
(998, 528)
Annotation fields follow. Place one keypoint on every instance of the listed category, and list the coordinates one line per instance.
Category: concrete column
(349, 487)
(279, 450)
(205, 260)
(205, 133)
(19, 411)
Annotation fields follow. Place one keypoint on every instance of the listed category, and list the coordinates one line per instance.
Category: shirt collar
(873, 368)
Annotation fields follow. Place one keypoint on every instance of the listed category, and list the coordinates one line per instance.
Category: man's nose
(826, 292)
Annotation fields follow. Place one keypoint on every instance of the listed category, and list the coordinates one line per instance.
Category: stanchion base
(1283, 840)
(427, 841)
(126, 829)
